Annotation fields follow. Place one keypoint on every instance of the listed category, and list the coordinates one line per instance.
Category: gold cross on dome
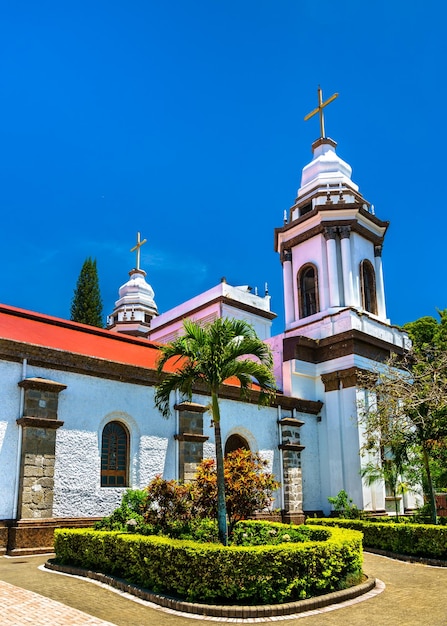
(319, 110)
(137, 248)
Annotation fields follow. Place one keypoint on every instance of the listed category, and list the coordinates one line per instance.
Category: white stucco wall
(10, 375)
(310, 439)
(261, 325)
(85, 407)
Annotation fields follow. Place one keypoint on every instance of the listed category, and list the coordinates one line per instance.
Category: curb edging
(407, 558)
(213, 610)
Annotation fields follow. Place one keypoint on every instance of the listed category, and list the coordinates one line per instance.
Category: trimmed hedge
(262, 533)
(212, 573)
(423, 540)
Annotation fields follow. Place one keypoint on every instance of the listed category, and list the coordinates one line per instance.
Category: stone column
(330, 234)
(380, 288)
(291, 448)
(345, 234)
(289, 290)
(39, 424)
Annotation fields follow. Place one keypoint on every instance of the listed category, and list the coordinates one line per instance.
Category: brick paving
(415, 595)
(19, 607)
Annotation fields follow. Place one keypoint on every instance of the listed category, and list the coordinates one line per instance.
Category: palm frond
(249, 346)
(212, 354)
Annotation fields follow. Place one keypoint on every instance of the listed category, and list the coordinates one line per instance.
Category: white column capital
(378, 250)
(345, 232)
(330, 232)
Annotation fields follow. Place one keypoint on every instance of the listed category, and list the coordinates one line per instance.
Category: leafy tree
(423, 333)
(86, 306)
(429, 337)
(407, 407)
(206, 357)
(248, 486)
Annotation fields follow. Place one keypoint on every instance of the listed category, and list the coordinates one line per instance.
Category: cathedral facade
(78, 424)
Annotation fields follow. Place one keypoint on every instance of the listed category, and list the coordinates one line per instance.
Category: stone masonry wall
(37, 475)
(293, 485)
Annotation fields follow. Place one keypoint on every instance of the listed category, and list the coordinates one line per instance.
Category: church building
(78, 423)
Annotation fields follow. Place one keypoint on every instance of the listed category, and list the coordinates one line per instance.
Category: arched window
(368, 286)
(308, 300)
(114, 455)
(235, 442)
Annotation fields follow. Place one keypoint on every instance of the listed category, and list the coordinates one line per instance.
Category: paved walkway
(415, 595)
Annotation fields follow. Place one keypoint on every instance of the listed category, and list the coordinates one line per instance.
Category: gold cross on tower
(319, 110)
(137, 248)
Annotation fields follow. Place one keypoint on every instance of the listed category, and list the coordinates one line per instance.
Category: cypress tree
(86, 306)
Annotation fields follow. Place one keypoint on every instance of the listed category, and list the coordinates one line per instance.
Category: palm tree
(208, 356)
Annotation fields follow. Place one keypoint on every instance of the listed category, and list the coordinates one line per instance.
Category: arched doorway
(236, 442)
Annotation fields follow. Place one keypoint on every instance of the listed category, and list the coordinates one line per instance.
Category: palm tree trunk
(221, 506)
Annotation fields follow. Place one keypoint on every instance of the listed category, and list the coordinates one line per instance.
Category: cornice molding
(39, 422)
(342, 378)
(323, 227)
(236, 304)
(42, 384)
(192, 407)
(318, 229)
(192, 437)
(291, 421)
(344, 344)
(293, 447)
(51, 359)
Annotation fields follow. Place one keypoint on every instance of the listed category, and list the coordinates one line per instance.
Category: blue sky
(184, 121)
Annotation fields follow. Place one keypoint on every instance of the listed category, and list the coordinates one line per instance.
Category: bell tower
(331, 242)
(335, 319)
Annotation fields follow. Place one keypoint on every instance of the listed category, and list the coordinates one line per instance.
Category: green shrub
(128, 517)
(158, 512)
(207, 572)
(425, 540)
(196, 529)
(259, 533)
(344, 506)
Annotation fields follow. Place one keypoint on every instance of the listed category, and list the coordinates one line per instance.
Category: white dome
(137, 293)
(326, 168)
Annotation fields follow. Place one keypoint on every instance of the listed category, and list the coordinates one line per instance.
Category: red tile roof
(38, 329)
(51, 332)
